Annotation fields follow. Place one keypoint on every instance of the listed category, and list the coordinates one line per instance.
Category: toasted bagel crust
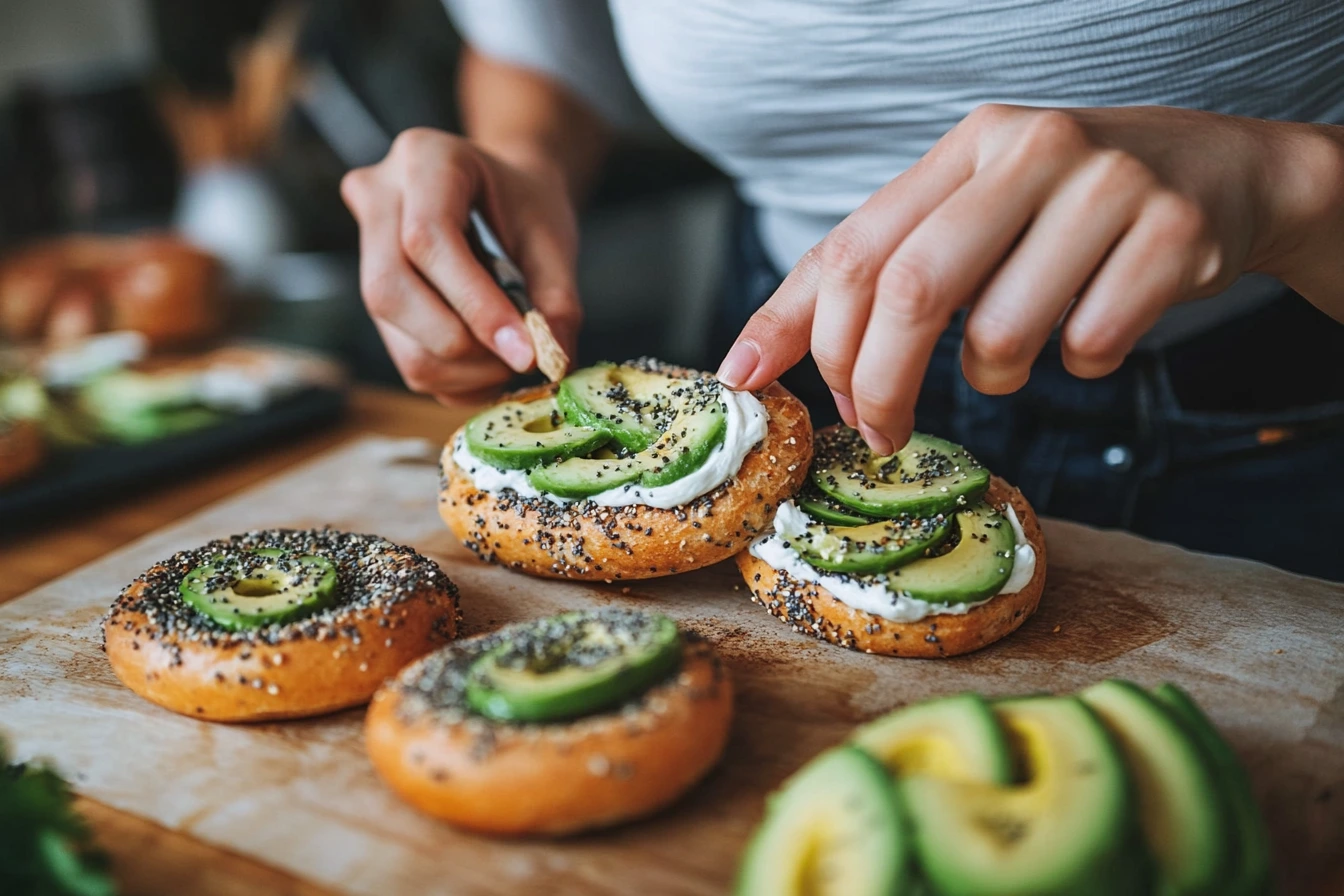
(555, 778)
(585, 541)
(73, 286)
(310, 666)
(811, 609)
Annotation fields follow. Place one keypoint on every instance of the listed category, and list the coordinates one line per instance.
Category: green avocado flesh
(258, 588)
(696, 424)
(518, 435)
(1249, 874)
(1117, 791)
(976, 568)
(957, 738)
(573, 665)
(872, 547)
(1182, 814)
(630, 405)
(1065, 829)
(825, 509)
(834, 829)
(606, 427)
(927, 477)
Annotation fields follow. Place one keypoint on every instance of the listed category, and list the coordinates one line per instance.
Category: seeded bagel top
(373, 574)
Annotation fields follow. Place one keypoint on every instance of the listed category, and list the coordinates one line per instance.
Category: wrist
(1304, 205)
(537, 161)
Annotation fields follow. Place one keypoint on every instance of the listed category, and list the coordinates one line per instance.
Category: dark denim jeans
(1231, 442)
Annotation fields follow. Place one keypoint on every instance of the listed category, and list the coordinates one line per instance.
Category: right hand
(450, 330)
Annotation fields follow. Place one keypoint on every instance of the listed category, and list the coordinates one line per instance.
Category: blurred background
(178, 273)
(232, 121)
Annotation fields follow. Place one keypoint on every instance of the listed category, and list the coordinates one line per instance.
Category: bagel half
(811, 609)
(553, 778)
(397, 606)
(598, 543)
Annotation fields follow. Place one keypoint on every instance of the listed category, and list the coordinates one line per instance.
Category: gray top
(812, 106)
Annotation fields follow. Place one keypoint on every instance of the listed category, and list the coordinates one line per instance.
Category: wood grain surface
(149, 859)
(1258, 647)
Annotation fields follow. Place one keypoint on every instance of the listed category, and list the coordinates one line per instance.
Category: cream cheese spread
(745, 425)
(867, 593)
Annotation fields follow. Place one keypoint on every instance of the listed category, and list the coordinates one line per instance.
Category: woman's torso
(812, 105)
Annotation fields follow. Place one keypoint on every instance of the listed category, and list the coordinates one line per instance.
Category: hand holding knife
(551, 358)
(358, 138)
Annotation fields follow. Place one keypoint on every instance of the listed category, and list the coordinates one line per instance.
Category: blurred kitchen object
(81, 144)
(227, 204)
(62, 290)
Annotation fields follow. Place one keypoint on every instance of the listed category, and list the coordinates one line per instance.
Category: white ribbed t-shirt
(812, 105)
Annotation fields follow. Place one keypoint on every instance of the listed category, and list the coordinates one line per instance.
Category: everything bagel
(554, 777)
(810, 609)
(389, 606)
(587, 540)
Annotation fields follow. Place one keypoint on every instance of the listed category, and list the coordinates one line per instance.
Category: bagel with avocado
(922, 553)
(626, 471)
(277, 624)
(553, 726)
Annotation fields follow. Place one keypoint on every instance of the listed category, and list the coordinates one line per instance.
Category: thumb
(778, 334)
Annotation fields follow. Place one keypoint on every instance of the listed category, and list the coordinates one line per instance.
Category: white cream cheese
(865, 593)
(745, 423)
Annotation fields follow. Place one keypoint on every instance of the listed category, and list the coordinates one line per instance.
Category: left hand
(1094, 219)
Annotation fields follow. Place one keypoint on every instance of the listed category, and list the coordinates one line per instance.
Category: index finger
(439, 191)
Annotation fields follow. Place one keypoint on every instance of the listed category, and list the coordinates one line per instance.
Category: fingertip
(739, 364)
(845, 405)
(881, 445)
(514, 347)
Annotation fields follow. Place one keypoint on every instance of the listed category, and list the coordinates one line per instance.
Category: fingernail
(880, 444)
(514, 346)
(739, 364)
(845, 406)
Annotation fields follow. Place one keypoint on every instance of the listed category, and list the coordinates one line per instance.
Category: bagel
(550, 778)
(809, 608)
(391, 606)
(592, 542)
(21, 449)
(64, 289)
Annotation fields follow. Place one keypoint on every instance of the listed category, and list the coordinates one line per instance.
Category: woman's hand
(449, 329)
(1096, 219)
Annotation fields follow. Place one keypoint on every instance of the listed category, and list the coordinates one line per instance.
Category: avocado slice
(695, 428)
(251, 589)
(630, 405)
(1066, 829)
(1252, 865)
(63, 421)
(834, 829)
(825, 509)
(133, 406)
(1184, 818)
(517, 435)
(582, 477)
(956, 738)
(976, 568)
(926, 477)
(872, 547)
(573, 665)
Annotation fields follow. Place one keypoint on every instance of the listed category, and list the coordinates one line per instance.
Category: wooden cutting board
(1261, 650)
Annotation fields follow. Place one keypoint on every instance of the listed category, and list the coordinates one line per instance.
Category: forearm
(1305, 245)
(529, 120)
